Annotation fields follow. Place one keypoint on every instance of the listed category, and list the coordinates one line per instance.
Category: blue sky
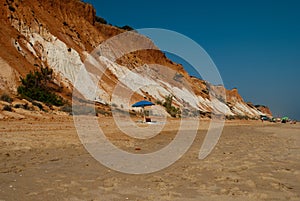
(255, 44)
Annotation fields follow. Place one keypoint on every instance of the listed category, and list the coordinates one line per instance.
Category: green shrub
(6, 98)
(18, 106)
(173, 111)
(242, 117)
(100, 20)
(127, 28)
(25, 106)
(40, 106)
(35, 86)
(7, 108)
(159, 102)
(230, 117)
(205, 91)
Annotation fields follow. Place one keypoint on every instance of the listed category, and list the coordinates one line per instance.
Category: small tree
(173, 111)
(36, 86)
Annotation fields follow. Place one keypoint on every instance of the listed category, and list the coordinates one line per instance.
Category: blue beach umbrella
(143, 104)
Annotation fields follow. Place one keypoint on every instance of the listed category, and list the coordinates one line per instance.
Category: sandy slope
(44, 160)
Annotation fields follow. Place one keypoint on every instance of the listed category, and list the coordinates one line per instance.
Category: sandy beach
(43, 159)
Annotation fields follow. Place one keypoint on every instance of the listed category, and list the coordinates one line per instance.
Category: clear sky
(255, 44)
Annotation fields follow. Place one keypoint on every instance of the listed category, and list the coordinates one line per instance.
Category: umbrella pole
(144, 121)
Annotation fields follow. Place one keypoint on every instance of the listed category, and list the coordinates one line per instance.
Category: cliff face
(62, 35)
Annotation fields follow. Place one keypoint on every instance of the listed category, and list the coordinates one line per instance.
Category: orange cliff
(61, 35)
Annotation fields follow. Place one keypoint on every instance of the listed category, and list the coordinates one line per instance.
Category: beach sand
(43, 159)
